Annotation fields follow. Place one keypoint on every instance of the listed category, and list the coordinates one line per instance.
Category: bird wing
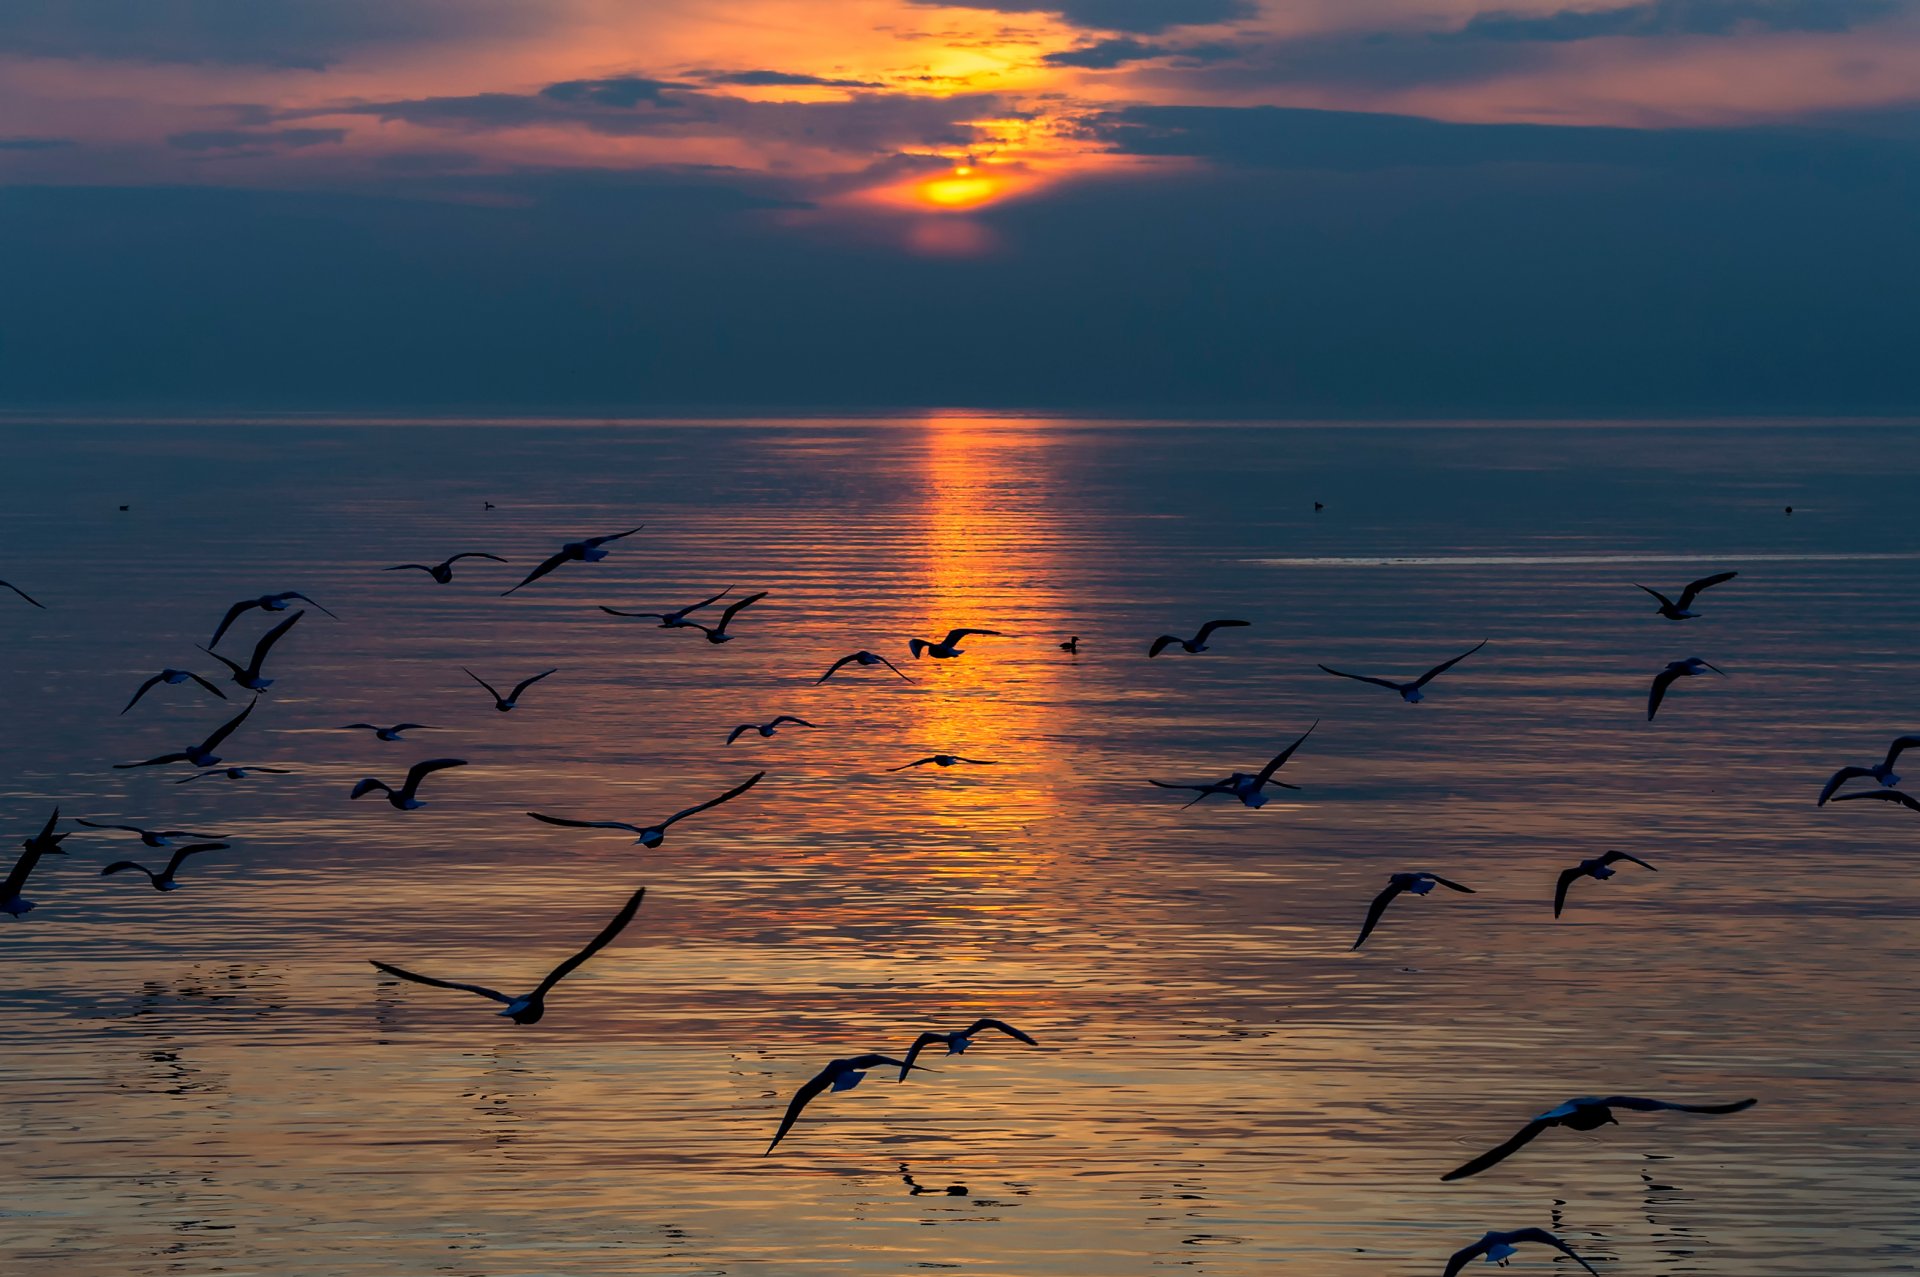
(1464, 1256)
(421, 770)
(1521, 1138)
(954, 636)
(1211, 626)
(1884, 795)
(351, 726)
(808, 1089)
(173, 865)
(525, 683)
(709, 601)
(227, 728)
(595, 945)
(835, 667)
(1363, 678)
(410, 727)
(1280, 760)
(295, 594)
(1692, 592)
(117, 866)
(203, 682)
(789, 718)
(734, 735)
(1546, 1238)
(545, 567)
(233, 614)
(483, 682)
(735, 606)
(271, 637)
(586, 824)
(1000, 1025)
(920, 1044)
(1161, 644)
(890, 665)
(234, 666)
(1567, 877)
(731, 794)
(1664, 600)
(921, 762)
(1450, 883)
(1661, 682)
(153, 762)
(23, 594)
(480, 989)
(1898, 747)
(94, 824)
(1444, 666)
(468, 554)
(1378, 907)
(1612, 856)
(611, 536)
(614, 611)
(1639, 1104)
(402, 567)
(144, 689)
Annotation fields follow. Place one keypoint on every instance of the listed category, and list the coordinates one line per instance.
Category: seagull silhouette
(767, 728)
(1418, 883)
(386, 733)
(159, 839)
(838, 1075)
(672, 620)
(945, 760)
(266, 603)
(163, 881)
(1885, 795)
(1410, 692)
(172, 678)
(23, 594)
(859, 658)
(959, 1040)
(1499, 1248)
(235, 773)
(947, 648)
(443, 570)
(1688, 668)
(249, 677)
(587, 551)
(44, 843)
(718, 633)
(1600, 868)
(1244, 785)
(1680, 611)
(1587, 1113)
(653, 835)
(505, 703)
(200, 755)
(1881, 771)
(1198, 643)
(529, 1007)
(403, 799)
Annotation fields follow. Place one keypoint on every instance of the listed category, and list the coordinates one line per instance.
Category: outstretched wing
(789, 718)
(1161, 644)
(808, 1089)
(121, 866)
(94, 824)
(1444, 666)
(920, 1044)
(421, 770)
(890, 665)
(271, 637)
(1884, 795)
(545, 567)
(999, 1025)
(1692, 592)
(153, 762)
(1611, 857)
(1363, 678)
(295, 594)
(595, 945)
(835, 667)
(525, 683)
(1451, 884)
(480, 989)
(1665, 602)
(735, 734)
(402, 567)
(483, 682)
(733, 608)
(173, 865)
(228, 728)
(954, 636)
(1640, 1104)
(1207, 629)
(1546, 1238)
(233, 614)
(1464, 1256)
(1899, 746)
(1567, 877)
(144, 689)
(1280, 760)
(1521, 1138)
(611, 536)
(1378, 907)
(918, 762)
(729, 796)
(614, 611)
(469, 554)
(23, 594)
(1661, 682)
(203, 682)
(586, 824)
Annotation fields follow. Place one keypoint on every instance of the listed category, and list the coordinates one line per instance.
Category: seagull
(839, 1075)
(653, 835)
(859, 658)
(266, 603)
(1888, 795)
(505, 703)
(23, 594)
(948, 647)
(172, 678)
(388, 733)
(672, 620)
(163, 881)
(529, 1007)
(403, 798)
(443, 570)
(156, 838)
(1587, 1113)
(1242, 785)
(1198, 643)
(1418, 883)
(1881, 771)
(46, 842)
(235, 773)
(587, 551)
(765, 729)
(945, 760)
(1499, 1247)
(959, 1040)
(1410, 692)
(249, 677)
(1599, 869)
(718, 633)
(1681, 611)
(1072, 645)
(200, 755)
(1675, 669)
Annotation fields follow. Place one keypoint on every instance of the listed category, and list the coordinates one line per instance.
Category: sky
(1425, 208)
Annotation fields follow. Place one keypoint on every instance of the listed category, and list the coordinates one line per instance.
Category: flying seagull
(959, 1040)
(1418, 883)
(1675, 669)
(948, 647)
(839, 1075)
(718, 633)
(767, 728)
(163, 881)
(46, 842)
(1886, 795)
(529, 1007)
(249, 677)
(587, 551)
(945, 760)
(403, 799)
(505, 703)
(859, 658)
(172, 678)
(386, 733)
(23, 594)
(1881, 771)
(235, 773)
(1681, 611)
(1198, 643)
(1243, 785)
(1600, 868)
(200, 755)
(1499, 1247)
(266, 603)
(672, 620)
(156, 838)
(443, 570)
(653, 835)
(1410, 692)
(1587, 1113)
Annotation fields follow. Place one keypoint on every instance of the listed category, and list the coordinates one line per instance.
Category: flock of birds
(1585, 1113)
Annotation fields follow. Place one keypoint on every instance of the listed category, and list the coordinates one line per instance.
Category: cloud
(1143, 17)
(1677, 18)
(253, 139)
(34, 143)
(780, 79)
(1117, 51)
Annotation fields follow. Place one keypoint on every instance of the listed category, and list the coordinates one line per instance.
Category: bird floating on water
(838, 1075)
(718, 633)
(1417, 883)
(767, 728)
(675, 619)
(1072, 645)
(23, 594)
(386, 733)
(1196, 644)
(527, 1008)
(949, 647)
(859, 658)
(1500, 1247)
(249, 677)
(44, 843)
(1587, 1113)
(1246, 786)
(1599, 868)
(172, 678)
(653, 835)
(505, 703)
(164, 880)
(1881, 771)
(586, 551)
(235, 773)
(266, 603)
(959, 1040)
(200, 755)
(1681, 611)
(1410, 692)
(159, 839)
(945, 760)
(405, 798)
(443, 570)
(1688, 668)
